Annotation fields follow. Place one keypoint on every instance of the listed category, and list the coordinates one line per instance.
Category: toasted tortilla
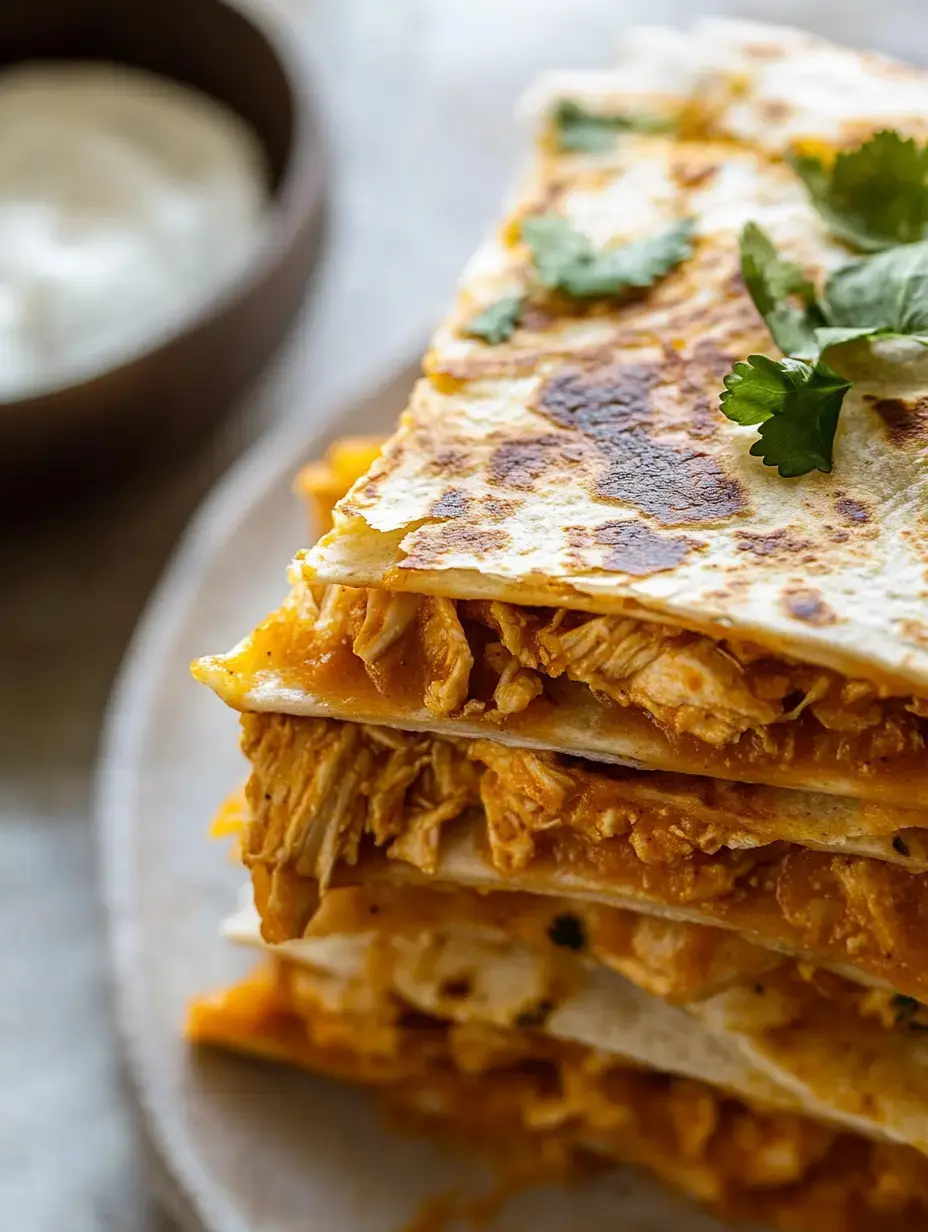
(856, 1073)
(584, 463)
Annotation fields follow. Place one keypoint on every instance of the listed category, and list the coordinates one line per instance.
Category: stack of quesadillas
(588, 808)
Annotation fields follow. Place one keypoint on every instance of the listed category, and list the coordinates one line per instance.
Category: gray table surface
(417, 97)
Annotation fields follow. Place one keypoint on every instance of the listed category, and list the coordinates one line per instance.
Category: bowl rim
(295, 201)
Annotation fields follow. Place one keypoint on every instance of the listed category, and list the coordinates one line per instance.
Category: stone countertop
(416, 97)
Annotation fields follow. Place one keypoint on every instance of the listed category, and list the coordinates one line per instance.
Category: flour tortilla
(584, 462)
(874, 1089)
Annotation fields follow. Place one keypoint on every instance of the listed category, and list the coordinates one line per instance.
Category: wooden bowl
(159, 400)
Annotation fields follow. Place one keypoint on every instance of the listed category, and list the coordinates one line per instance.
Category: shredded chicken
(386, 619)
(690, 684)
(448, 655)
(320, 788)
(516, 686)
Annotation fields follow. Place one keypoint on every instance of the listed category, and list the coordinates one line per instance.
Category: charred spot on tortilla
(782, 543)
(634, 548)
(806, 604)
(446, 460)
(914, 631)
(520, 463)
(612, 407)
(498, 510)
(852, 510)
(433, 543)
(451, 504)
(774, 110)
(906, 422)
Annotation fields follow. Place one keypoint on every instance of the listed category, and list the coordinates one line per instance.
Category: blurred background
(416, 101)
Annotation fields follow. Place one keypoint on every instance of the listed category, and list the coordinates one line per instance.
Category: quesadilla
(588, 801)
(566, 545)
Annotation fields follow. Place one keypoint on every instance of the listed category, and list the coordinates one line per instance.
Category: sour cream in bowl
(161, 191)
(126, 200)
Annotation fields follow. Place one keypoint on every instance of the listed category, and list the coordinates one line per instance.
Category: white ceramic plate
(247, 1146)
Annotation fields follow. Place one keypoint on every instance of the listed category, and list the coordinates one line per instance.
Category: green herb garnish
(586, 131)
(568, 932)
(796, 406)
(882, 296)
(798, 403)
(782, 294)
(497, 322)
(566, 260)
(873, 197)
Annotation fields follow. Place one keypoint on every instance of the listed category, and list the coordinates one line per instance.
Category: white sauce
(126, 200)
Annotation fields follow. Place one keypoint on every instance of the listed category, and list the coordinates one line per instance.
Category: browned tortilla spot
(914, 631)
(612, 407)
(633, 547)
(782, 543)
(433, 543)
(498, 510)
(520, 463)
(774, 110)
(852, 510)
(805, 604)
(906, 422)
(447, 461)
(451, 504)
(689, 176)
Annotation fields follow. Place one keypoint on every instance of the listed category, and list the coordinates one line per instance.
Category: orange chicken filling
(327, 800)
(529, 1099)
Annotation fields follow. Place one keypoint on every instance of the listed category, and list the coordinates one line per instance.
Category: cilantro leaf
(496, 322)
(586, 131)
(887, 293)
(773, 285)
(555, 246)
(796, 407)
(873, 197)
(567, 261)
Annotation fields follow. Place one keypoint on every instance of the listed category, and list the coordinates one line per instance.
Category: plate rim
(182, 1179)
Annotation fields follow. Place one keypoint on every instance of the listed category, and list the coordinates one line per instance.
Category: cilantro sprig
(796, 406)
(567, 261)
(882, 296)
(588, 132)
(875, 196)
(782, 294)
(796, 401)
(497, 322)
